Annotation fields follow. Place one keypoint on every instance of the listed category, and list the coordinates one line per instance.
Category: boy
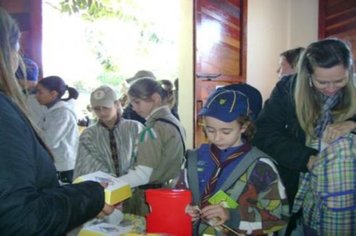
(235, 186)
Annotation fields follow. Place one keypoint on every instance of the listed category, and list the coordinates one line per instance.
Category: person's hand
(216, 213)
(193, 211)
(311, 161)
(107, 209)
(119, 206)
(336, 130)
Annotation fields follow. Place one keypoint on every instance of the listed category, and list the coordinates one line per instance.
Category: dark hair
(56, 83)
(292, 56)
(326, 54)
(144, 88)
(250, 129)
(168, 86)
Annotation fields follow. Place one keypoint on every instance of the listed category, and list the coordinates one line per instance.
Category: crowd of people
(250, 177)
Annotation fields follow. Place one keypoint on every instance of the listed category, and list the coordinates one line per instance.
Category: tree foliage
(126, 18)
(97, 9)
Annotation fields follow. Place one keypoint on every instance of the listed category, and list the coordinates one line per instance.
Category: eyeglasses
(325, 84)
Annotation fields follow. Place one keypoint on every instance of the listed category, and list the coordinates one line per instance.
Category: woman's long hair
(325, 53)
(9, 40)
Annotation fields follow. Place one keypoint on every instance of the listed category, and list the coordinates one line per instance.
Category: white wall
(274, 26)
(186, 75)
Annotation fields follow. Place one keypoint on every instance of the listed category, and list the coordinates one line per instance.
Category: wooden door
(220, 50)
(28, 14)
(337, 18)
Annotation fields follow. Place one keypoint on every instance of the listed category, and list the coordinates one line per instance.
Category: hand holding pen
(214, 215)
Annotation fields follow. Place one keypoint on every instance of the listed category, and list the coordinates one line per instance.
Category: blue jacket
(31, 200)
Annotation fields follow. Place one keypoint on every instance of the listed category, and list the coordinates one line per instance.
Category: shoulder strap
(192, 174)
(241, 168)
(176, 126)
(237, 188)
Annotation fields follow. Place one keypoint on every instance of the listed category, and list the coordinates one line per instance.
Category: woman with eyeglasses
(315, 106)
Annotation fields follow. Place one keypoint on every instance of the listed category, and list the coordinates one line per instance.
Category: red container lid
(166, 192)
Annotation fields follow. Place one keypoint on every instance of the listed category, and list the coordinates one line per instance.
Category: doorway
(88, 51)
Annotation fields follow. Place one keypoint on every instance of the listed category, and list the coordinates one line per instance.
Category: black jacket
(31, 200)
(280, 135)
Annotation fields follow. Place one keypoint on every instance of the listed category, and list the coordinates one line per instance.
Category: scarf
(328, 103)
(219, 166)
(113, 146)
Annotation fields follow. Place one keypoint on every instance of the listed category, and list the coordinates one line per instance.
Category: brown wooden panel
(16, 6)
(341, 16)
(340, 28)
(338, 6)
(341, 20)
(218, 38)
(337, 18)
(220, 49)
(28, 14)
(23, 20)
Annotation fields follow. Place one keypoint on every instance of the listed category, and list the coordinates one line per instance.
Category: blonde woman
(316, 104)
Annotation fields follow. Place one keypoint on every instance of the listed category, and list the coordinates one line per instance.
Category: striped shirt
(94, 151)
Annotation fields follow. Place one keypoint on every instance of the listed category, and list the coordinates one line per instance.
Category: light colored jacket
(36, 110)
(161, 146)
(60, 133)
(94, 151)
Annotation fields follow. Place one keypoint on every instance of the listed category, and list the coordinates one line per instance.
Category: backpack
(333, 189)
(233, 186)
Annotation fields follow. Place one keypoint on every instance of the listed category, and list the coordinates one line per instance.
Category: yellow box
(116, 191)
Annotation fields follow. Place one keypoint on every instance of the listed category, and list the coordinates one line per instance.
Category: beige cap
(103, 96)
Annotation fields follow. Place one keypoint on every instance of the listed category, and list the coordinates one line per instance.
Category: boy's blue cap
(226, 105)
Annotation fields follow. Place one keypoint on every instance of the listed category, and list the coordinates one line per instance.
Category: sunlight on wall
(273, 27)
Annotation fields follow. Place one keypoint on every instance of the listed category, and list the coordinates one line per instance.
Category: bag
(333, 184)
